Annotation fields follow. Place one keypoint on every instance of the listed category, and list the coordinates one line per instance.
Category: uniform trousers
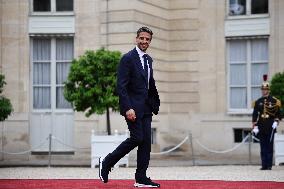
(266, 149)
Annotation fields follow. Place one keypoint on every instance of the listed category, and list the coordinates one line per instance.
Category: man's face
(265, 92)
(143, 41)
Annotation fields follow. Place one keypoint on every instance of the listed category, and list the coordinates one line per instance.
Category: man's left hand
(255, 130)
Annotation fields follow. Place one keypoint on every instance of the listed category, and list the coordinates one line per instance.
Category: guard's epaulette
(253, 104)
(278, 102)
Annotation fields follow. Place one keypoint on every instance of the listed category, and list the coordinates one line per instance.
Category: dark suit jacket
(132, 85)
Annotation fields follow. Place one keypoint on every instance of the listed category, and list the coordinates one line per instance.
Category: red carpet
(126, 184)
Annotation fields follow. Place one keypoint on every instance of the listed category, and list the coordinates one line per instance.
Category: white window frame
(52, 9)
(53, 84)
(249, 63)
(248, 12)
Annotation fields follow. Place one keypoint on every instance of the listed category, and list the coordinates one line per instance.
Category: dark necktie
(145, 65)
(145, 59)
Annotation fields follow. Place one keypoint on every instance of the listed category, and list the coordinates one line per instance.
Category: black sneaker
(146, 183)
(103, 171)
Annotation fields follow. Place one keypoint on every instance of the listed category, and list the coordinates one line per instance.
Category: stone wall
(189, 52)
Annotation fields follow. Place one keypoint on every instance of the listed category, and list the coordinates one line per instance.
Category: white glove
(275, 124)
(255, 130)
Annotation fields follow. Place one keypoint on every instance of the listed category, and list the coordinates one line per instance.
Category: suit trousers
(140, 136)
(266, 150)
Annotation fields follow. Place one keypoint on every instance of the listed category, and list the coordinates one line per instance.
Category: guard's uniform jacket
(266, 111)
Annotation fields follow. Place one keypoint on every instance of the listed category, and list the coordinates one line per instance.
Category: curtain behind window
(42, 81)
(238, 69)
(246, 75)
(41, 74)
(259, 66)
(64, 56)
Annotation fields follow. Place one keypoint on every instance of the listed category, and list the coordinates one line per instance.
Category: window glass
(42, 5)
(259, 6)
(41, 50)
(41, 73)
(64, 56)
(238, 91)
(237, 7)
(62, 70)
(64, 5)
(41, 98)
(238, 98)
(240, 134)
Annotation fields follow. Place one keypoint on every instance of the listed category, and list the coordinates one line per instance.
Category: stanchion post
(2, 141)
(250, 140)
(49, 151)
(191, 145)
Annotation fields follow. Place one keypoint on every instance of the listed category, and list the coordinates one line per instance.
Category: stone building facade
(209, 57)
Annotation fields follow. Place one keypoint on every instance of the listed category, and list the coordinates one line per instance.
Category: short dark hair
(144, 29)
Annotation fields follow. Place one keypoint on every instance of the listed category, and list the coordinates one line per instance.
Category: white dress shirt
(141, 53)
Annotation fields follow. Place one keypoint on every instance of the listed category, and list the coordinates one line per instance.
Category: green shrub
(5, 104)
(277, 89)
(91, 83)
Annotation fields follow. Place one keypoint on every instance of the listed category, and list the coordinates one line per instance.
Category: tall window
(247, 62)
(51, 62)
(52, 5)
(247, 7)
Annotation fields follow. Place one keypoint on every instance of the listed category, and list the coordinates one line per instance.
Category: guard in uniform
(265, 119)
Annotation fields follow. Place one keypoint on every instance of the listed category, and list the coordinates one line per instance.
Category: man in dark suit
(138, 98)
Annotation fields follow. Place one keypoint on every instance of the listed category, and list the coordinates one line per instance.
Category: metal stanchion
(250, 140)
(191, 145)
(2, 141)
(49, 152)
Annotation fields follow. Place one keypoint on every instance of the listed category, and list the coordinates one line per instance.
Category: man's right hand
(255, 130)
(130, 115)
